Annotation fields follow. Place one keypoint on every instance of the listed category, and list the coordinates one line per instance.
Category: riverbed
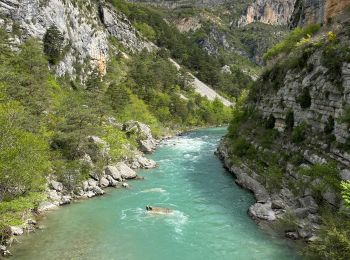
(209, 218)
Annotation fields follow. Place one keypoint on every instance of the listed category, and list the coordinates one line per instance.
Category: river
(209, 219)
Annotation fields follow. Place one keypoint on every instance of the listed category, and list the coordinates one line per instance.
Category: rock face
(177, 3)
(328, 104)
(275, 12)
(86, 28)
(316, 11)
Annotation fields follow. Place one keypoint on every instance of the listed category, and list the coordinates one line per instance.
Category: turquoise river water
(209, 219)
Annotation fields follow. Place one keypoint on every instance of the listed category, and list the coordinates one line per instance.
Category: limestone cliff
(86, 26)
(275, 12)
(178, 3)
(316, 11)
(292, 139)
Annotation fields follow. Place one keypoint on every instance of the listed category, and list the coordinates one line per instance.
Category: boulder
(277, 202)
(330, 197)
(125, 185)
(314, 158)
(54, 196)
(112, 182)
(4, 251)
(94, 175)
(92, 182)
(66, 199)
(98, 191)
(309, 203)
(301, 212)
(17, 231)
(104, 182)
(31, 222)
(89, 194)
(292, 235)
(262, 211)
(58, 186)
(46, 206)
(345, 175)
(247, 182)
(113, 172)
(304, 233)
(142, 162)
(147, 146)
(125, 171)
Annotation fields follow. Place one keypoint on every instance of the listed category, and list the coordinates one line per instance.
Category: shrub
(274, 178)
(345, 118)
(241, 147)
(328, 173)
(291, 41)
(329, 127)
(289, 120)
(304, 99)
(333, 57)
(287, 223)
(146, 30)
(270, 122)
(333, 239)
(299, 133)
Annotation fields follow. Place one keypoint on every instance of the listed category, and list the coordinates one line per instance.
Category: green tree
(23, 155)
(53, 44)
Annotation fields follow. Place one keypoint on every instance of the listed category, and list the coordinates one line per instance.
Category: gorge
(96, 101)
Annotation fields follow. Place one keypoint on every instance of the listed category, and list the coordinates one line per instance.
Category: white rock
(262, 211)
(125, 171)
(58, 186)
(112, 182)
(113, 172)
(46, 206)
(104, 182)
(92, 182)
(17, 231)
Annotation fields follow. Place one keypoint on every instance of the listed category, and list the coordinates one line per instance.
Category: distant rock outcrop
(316, 11)
(275, 12)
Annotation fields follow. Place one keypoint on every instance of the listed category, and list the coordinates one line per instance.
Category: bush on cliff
(291, 41)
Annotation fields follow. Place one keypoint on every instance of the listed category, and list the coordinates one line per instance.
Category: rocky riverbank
(297, 216)
(114, 175)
